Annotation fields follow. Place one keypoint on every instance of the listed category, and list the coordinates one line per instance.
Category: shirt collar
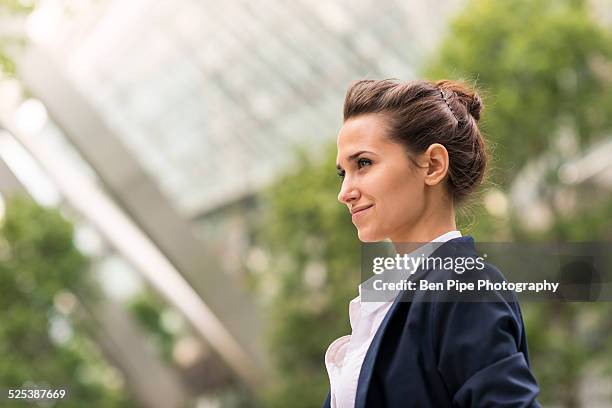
(447, 236)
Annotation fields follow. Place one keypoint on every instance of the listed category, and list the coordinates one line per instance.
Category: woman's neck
(428, 227)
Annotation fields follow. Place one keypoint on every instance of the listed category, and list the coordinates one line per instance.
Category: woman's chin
(367, 236)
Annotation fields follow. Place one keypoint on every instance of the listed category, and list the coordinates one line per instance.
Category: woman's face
(382, 188)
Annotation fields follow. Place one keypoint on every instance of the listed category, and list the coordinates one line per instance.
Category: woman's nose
(348, 193)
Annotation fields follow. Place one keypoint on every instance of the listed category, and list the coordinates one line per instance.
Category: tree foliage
(542, 64)
(11, 9)
(40, 343)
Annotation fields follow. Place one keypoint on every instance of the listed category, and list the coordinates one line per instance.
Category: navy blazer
(448, 353)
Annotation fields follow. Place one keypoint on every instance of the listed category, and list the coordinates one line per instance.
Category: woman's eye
(341, 174)
(363, 162)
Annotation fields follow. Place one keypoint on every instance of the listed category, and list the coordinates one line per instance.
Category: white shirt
(345, 355)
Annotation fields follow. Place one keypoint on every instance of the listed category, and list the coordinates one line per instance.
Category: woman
(408, 154)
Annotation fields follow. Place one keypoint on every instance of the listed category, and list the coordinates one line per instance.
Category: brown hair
(421, 113)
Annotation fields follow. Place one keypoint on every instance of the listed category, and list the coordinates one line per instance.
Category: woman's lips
(360, 213)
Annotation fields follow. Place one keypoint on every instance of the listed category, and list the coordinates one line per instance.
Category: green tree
(39, 266)
(545, 63)
(12, 10)
(147, 310)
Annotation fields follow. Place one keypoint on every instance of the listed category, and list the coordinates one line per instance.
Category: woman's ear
(435, 161)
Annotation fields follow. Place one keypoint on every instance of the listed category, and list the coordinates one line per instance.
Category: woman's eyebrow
(353, 157)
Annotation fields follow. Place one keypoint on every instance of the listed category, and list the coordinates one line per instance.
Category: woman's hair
(420, 113)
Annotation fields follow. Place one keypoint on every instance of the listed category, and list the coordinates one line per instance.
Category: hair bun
(465, 95)
(475, 106)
